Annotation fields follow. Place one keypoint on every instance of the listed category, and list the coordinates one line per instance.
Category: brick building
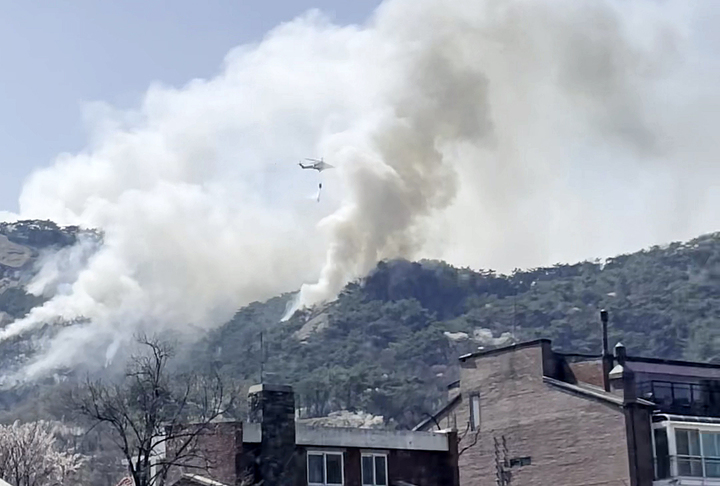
(528, 415)
(271, 447)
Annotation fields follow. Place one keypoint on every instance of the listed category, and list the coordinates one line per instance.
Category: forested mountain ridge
(388, 345)
(22, 245)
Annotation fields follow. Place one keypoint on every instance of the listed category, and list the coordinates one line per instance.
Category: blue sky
(60, 54)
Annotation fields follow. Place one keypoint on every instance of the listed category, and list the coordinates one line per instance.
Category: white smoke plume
(490, 133)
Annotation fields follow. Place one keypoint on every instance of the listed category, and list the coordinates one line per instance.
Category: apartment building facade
(272, 449)
(527, 415)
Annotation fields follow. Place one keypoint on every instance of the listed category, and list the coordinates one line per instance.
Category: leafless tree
(30, 456)
(154, 415)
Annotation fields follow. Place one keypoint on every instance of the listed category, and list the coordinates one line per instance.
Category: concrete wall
(570, 440)
(370, 438)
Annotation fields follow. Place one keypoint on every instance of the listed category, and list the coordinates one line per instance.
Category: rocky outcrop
(13, 255)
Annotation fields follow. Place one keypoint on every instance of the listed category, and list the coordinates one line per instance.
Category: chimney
(617, 375)
(607, 359)
(273, 407)
(622, 379)
(620, 354)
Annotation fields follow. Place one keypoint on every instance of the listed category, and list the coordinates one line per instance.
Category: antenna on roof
(514, 321)
(262, 359)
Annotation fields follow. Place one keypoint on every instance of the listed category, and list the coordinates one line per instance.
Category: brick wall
(277, 460)
(570, 440)
(218, 454)
(423, 468)
(588, 372)
(420, 468)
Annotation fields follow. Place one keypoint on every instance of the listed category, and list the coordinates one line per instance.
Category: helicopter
(318, 165)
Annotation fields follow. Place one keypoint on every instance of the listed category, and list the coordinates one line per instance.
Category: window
(325, 468)
(689, 460)
(711, 453)
(698, 453)
(474, 411)
(374, 470)
(662, 393)
(682, 394)
(520, 461)
(662, 454)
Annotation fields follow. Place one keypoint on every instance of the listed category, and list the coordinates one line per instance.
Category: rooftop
(505, 349)
(306, 435)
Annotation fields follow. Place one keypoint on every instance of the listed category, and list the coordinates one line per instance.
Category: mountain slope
(22, 244)
(388, 345)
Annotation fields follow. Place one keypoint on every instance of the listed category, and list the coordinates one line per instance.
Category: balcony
(687, 453)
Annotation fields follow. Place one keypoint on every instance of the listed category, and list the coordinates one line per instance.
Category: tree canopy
(389, 344)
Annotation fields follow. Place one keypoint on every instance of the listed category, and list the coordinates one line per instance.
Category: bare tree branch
(155, 416)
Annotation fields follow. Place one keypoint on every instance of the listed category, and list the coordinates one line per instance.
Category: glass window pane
(681, 392)
(380, 472)
(474, 412)
(712, 468)
(694, 441)
(690, 467)
(687, 442)
(367, 470)
(710, 444)
(681, 442)
(316, 469)
(334, 468)
(662, 393)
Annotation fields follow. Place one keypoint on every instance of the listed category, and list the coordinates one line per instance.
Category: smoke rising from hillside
(490, 133)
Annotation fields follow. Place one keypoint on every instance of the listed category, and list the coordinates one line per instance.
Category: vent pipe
(604, 320)
(607, 359)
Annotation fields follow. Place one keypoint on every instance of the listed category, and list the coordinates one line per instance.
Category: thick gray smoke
(490, 133)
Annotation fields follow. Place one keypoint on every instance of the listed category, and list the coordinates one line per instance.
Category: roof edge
(603, 397)
(579, 355)
(197, 479)
(676, 362)
(442, 410)
(454, 384)
(686, 418)
(598, 394)
(503, 349)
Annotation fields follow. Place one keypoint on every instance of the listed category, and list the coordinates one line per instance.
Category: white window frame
(690, 458)
(373, 455)
(474, 406)
(671, 426)
(325, 453)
